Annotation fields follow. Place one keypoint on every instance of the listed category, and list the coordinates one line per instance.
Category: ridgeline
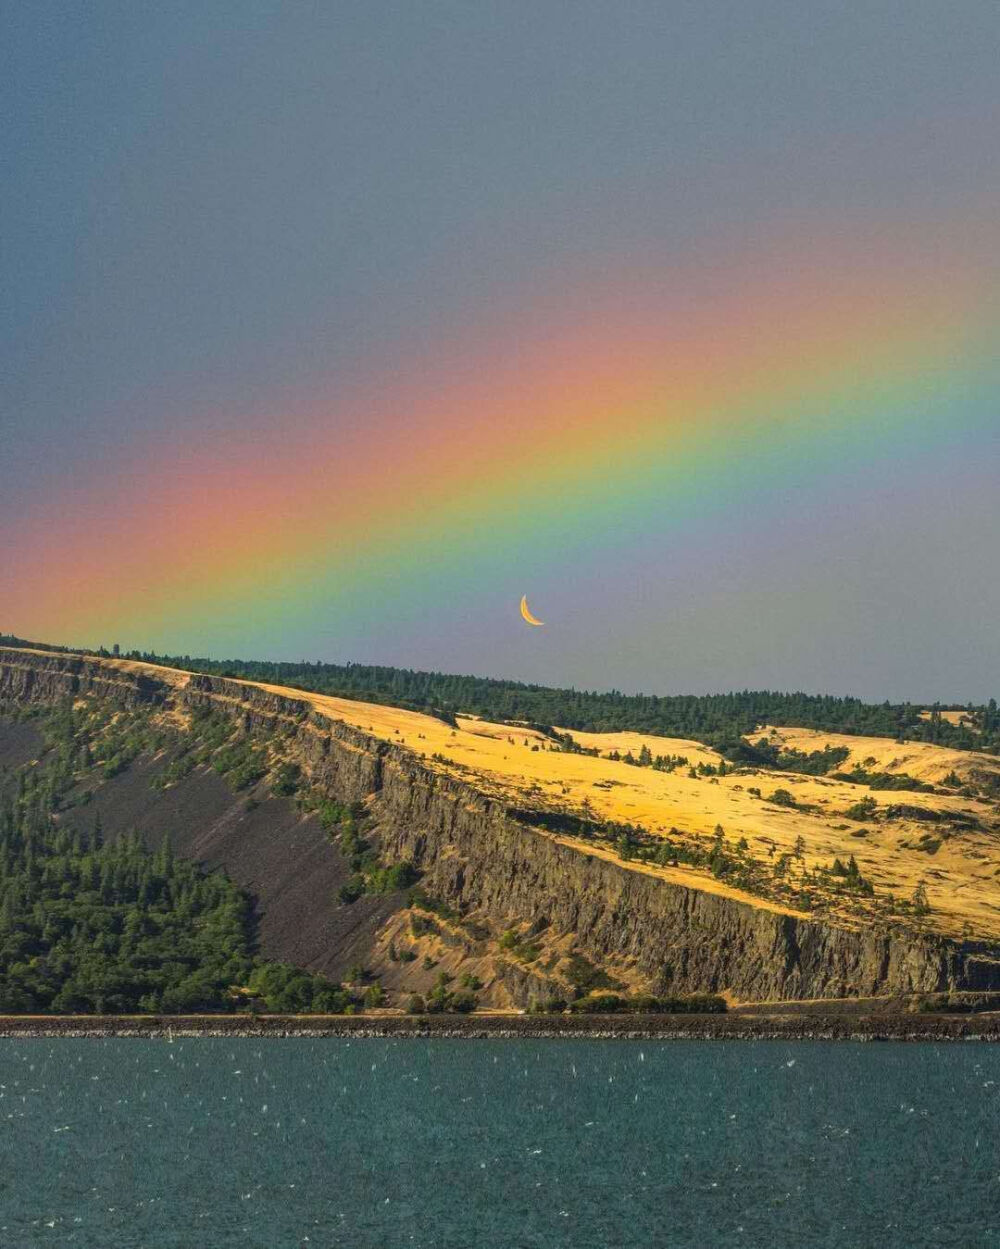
(718, 720)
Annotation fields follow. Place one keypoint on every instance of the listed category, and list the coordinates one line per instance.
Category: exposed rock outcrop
(37, 676)
(476, 855)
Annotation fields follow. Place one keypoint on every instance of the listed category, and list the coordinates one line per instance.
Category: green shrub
(550, 1006)
(332, 814)
(521, 948)
(815, 763)
(420, 925)
(862, 810)
(375, 995)
(391, 879)
(419, 897)
(598, 1004)
(585, 977)
(646, 1003)
(287, 779)
(643, 1003)
(351, 890)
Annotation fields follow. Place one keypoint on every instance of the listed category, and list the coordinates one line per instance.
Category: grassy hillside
(716, 719)
(854, 831)
(925, 846)
(860, 830)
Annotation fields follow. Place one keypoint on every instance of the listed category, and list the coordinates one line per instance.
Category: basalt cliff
(502, 880)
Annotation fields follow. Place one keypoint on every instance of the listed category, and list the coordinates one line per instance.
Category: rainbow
(547, 441)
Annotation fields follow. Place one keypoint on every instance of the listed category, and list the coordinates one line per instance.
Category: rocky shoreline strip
(741, 1027)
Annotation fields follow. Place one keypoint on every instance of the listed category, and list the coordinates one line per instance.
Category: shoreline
(820, 1026)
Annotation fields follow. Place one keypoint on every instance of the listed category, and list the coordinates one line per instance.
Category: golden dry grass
(957, 718)
(960, 868)
(920, 760)
(961, 876)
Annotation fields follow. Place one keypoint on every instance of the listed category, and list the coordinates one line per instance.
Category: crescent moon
(527, 614)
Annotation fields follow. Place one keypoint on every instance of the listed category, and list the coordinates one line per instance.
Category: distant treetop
(719, 720)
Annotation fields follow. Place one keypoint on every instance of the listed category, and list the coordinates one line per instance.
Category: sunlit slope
(957, 862)
(922, 761)
(947, 841)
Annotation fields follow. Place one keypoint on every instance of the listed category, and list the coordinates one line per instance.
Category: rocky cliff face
(476, 855)
(37, 676)
(678, 939)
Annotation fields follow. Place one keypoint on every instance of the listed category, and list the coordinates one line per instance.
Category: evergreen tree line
(97, 928)
(719, 720)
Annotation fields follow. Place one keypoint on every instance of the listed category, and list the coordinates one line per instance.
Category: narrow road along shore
(820, 1026)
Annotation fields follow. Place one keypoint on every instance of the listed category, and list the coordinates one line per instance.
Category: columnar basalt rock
(30, 676)
(475, 855)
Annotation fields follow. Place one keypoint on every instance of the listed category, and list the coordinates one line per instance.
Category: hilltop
(538, 859)
(908, 815)
(714, 719)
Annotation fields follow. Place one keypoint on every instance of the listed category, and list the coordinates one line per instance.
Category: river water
(516, 1144)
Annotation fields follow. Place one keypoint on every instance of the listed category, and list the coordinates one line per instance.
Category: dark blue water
(498, 1143)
